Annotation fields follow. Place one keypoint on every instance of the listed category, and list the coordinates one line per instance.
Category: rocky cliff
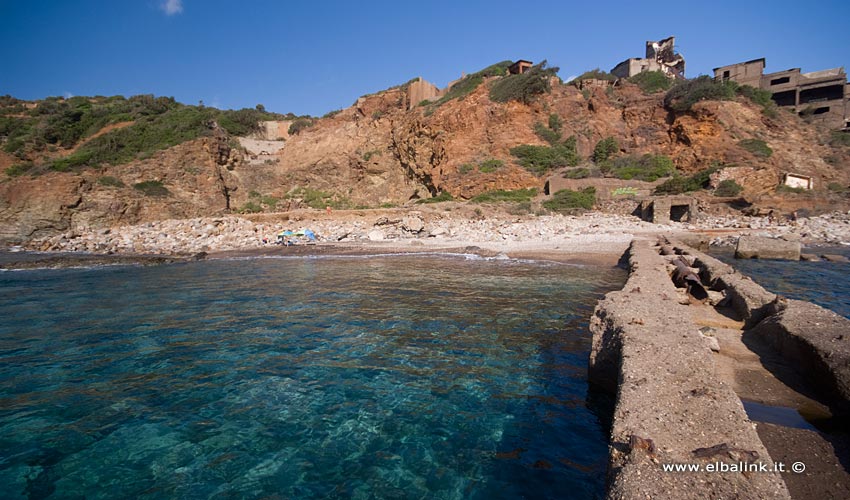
(379, 152)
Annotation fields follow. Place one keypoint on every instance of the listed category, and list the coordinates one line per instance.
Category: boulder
(413, 224)
(760, 247)
(376, 235)
(831, 257)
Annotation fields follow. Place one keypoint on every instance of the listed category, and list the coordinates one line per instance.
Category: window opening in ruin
(787, 98)
(780, 81)
(726, 75)
(678, 213)
(822, 94)
(821, 111)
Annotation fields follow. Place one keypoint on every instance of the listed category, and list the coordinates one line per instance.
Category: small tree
(604, 149)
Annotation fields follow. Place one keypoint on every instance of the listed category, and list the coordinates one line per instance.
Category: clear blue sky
(313, 57)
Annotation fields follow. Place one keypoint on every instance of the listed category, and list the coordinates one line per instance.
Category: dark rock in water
(809, 257)
(759, 247)
(831, 257)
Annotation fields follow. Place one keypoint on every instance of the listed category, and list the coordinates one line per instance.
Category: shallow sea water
(379, 377)
(827, 284)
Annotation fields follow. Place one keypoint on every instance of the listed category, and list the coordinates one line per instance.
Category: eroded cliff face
(379, 152)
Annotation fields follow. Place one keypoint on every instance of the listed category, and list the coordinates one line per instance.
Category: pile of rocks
(232, 233)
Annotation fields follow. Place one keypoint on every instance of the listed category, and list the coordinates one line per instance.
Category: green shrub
(682, 184)
(525, 86)
(300, 124)
(466, 168)
(577, 173)
(516, 196)
(152, 188)
(369, 154)
(782, 188)
(471, 82)
(643, 168)
(108, 180)
(315, 198)
(548, 135)
(555, 123)
(757, 147)
(651, 81)
(488, 166)
(331, 114)
(19, 169)
(728, 188)
(839, 138)
(682, 96)
(837, 187)
(444, 196)
(763, 98)
(251, 208)
(269, 201)
(604, 149)
(595, 74)
(541, 159)
(569, 201)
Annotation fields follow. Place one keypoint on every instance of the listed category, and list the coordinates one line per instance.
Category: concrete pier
(671, 405)
(674, 407)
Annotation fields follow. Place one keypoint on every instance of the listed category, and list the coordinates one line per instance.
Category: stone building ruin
(660, 56)
(821, 96)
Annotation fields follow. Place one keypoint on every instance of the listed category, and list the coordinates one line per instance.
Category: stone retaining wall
(671, 406)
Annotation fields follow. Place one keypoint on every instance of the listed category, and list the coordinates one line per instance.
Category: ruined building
(660, 56)
(420, 90)
(822, 96)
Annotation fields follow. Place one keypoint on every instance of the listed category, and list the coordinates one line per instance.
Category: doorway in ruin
(679, 213)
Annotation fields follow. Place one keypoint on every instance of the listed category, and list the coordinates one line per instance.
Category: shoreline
(593, 238)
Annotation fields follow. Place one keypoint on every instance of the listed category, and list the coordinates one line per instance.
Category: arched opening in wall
(679, 213)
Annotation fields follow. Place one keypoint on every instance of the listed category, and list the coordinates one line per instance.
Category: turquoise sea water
(381, 377)
(827, 284)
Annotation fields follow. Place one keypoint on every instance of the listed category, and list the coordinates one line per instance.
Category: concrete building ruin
(660, 56)
(421, 90)
(822, 96)
(798, 181)
(519, 67)
(663, 209)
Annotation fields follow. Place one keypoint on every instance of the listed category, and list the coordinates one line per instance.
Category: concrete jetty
(674, 411)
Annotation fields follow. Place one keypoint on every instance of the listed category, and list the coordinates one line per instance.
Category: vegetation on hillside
(154, 123)
(651, 81)
(515, 196)
(569, 201)
(642, 168)
(757, 147)
(525, 86)
(728, 188)
(604, 149)
(685, 184)
(595, 74)
(471, 82)
(683, 95)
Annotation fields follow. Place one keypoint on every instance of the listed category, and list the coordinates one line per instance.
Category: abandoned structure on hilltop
(520, 67)
(422, 90)
(660, 56)
(822, 96)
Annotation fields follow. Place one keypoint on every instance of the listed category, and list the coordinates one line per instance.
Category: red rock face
(377, 152)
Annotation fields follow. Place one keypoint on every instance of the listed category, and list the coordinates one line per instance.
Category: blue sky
(314, 57)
